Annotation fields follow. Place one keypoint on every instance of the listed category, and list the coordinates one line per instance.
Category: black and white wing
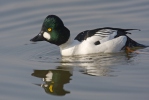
(102, 32)
(100, 35)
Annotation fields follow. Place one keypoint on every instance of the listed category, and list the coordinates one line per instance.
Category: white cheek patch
(46, 35)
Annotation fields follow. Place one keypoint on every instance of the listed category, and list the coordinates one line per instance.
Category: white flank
(88, 47)
(46, 35)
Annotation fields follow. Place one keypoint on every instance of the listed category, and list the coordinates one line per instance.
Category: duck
(99, 40)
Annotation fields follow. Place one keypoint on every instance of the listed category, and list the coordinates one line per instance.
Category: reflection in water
(98, 64)
(94, 65)
(54, 80)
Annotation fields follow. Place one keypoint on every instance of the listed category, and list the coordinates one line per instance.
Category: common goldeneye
(106, 40)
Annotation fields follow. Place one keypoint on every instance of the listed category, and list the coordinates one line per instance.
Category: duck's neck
(66, 44)
(67, 48)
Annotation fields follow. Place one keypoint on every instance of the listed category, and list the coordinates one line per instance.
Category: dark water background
(36, 71)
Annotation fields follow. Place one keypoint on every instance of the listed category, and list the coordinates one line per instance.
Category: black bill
(39, 37)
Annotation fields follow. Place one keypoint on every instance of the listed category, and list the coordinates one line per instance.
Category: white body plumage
(107, 44)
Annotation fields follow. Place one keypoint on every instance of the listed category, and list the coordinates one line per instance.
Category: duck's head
(53, 31)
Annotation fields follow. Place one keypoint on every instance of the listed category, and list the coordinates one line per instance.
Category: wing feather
(102, 33)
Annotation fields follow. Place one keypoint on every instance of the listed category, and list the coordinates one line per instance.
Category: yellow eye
(49, 29)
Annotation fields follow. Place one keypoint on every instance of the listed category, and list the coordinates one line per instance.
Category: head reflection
(54, 80)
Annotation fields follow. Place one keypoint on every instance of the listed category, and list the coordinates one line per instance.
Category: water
(37, 71)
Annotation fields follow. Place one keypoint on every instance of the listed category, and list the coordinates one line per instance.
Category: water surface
(37, 71)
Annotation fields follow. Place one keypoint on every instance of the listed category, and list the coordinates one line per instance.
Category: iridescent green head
(53, 31)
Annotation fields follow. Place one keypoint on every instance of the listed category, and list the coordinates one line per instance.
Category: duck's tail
(133, 44)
